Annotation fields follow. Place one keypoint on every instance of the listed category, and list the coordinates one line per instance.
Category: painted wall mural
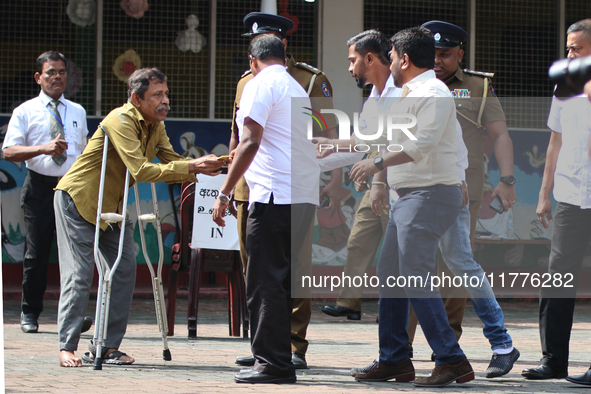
(331, 228)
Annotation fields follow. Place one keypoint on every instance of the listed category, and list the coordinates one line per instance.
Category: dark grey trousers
(75, 238)
(570, 237)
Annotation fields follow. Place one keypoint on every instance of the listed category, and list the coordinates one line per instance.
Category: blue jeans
(417, 222)
(457, 254)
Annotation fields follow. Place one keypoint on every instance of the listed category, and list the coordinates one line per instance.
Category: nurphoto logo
(385, 122)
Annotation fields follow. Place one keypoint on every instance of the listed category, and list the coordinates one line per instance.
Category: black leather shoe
(581, 379)
(247, 361)
(251, 376)
(29, 323)
(86, 324)
(337, 311)
(543, 371)
(299, 360)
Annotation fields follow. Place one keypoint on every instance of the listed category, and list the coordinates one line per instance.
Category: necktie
(56, 127)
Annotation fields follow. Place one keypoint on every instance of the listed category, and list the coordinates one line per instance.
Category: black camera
(570, 76)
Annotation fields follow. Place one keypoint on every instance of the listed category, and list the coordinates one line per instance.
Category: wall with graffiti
(332, 228)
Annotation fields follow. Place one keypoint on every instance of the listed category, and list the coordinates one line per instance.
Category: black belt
(44, 178)
(405, 190)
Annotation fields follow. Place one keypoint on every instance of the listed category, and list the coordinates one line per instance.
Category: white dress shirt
(436, 145)
(285, 164)
(572, 178)
(29, 125)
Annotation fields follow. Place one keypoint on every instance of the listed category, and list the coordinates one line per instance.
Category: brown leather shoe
(402, 372)
(445, 374)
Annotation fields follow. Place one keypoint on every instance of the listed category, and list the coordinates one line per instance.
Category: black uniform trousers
(571, 235)
(274, 235)
(37, 204)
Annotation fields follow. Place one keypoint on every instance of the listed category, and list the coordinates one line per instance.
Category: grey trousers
(75, 237)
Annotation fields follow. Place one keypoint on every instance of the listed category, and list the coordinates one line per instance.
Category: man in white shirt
(568, 172)
(368, 64)
(47, 133)
(424, 174)
(282, 202)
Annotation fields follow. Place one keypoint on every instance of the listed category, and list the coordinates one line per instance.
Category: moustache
(163, 107)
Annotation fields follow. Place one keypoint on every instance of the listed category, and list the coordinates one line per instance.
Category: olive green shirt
(467, 87)
(132, 146)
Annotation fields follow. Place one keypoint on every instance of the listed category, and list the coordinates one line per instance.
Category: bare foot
(125, 358)
(68, 359)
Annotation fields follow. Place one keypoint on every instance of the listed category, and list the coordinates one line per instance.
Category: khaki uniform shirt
(305, 75)
(132, 146)
(467, 87)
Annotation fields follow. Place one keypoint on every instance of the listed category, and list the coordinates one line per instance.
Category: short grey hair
(582, 25)
(139, 81)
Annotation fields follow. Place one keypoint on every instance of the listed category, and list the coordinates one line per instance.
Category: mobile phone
(497, 205)
(325, 201)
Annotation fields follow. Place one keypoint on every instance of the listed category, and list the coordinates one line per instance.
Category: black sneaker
(501, 364)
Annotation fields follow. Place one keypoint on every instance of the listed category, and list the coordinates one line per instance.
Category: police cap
(260, 22)
(446, 35)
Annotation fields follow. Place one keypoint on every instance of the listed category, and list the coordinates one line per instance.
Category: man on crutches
(136, 136)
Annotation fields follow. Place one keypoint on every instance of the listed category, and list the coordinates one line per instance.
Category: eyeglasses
(53, 73)
(250, 57)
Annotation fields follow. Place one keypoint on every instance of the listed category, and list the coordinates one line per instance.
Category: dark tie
(56, 127)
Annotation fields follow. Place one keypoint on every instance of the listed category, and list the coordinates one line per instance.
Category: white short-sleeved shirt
(29, 125)
(285, 164)
(572, 178)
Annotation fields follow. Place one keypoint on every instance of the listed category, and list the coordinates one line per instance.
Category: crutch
(156, 276)
(105, 273)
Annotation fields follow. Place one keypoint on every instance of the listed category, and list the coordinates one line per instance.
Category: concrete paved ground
(206, 365)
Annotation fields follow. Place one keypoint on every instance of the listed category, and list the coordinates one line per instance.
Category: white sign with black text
(207, 234)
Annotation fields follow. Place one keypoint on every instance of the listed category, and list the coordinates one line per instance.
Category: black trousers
(570, 237)
(37, 204)
(274, 235)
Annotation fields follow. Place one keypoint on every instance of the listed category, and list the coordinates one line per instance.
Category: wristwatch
(379, 162)
(509, 179)
(224, 199)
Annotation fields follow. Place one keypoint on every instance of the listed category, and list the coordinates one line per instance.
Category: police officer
(316, 84)
(477, 109)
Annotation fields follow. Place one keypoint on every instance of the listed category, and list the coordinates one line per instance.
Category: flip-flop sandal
(87, 358)
(114, 358)
(111, 358)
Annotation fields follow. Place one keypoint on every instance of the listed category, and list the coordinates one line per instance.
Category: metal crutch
(156, 277)
(105, 273)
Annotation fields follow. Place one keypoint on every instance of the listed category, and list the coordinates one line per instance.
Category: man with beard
(369, 64)
(422, 168)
